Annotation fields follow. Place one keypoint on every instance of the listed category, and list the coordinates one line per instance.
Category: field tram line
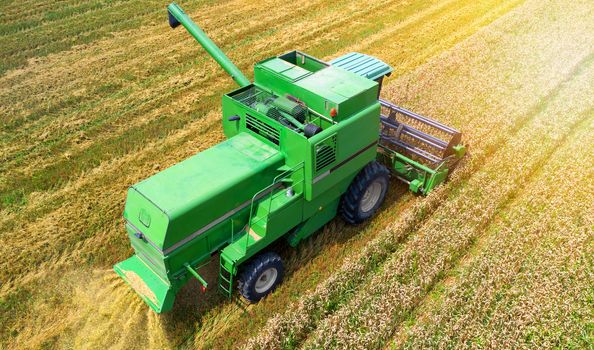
(145, 34)
(37, 18)
(33, 7)
(118, 25)
(137, 37)
(382, 250)
(463, 263)
(506, 200)
(114, 24)
(225, 36)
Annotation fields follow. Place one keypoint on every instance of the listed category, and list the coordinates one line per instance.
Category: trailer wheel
(261, 276)
(365, 194)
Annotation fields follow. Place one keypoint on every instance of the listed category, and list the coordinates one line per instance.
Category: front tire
(365, 194)
(261, 276)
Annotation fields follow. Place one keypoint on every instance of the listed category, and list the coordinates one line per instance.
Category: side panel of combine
(339, 153)
(144, 219)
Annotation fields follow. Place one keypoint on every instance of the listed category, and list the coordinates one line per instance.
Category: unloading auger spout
(177, 16)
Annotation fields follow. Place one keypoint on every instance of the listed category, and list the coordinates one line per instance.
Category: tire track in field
(22, 22)
(95, 56)
(16, 8)
(75, 29)
(412, 271)
(298, 320)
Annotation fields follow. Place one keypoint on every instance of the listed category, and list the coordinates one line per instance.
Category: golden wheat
(527, 285)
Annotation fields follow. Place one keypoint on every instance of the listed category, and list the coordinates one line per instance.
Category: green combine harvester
(306, 140)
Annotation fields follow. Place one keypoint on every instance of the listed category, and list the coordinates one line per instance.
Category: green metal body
(267, 181)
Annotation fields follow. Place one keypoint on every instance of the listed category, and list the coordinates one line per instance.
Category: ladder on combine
(225, 278)
(282, 191)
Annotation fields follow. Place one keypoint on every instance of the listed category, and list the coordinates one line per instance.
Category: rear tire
(365, 194)
(260, 276)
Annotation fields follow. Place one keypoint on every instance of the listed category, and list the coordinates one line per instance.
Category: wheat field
(98, 95)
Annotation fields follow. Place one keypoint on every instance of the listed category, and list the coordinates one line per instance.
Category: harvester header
(307, 140)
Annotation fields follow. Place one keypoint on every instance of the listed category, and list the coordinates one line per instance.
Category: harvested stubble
(513, 52)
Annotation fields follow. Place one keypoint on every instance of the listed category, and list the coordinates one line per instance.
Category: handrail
(292, 170)
(283, 175)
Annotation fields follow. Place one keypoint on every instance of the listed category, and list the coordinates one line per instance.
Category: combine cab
(306, 140)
